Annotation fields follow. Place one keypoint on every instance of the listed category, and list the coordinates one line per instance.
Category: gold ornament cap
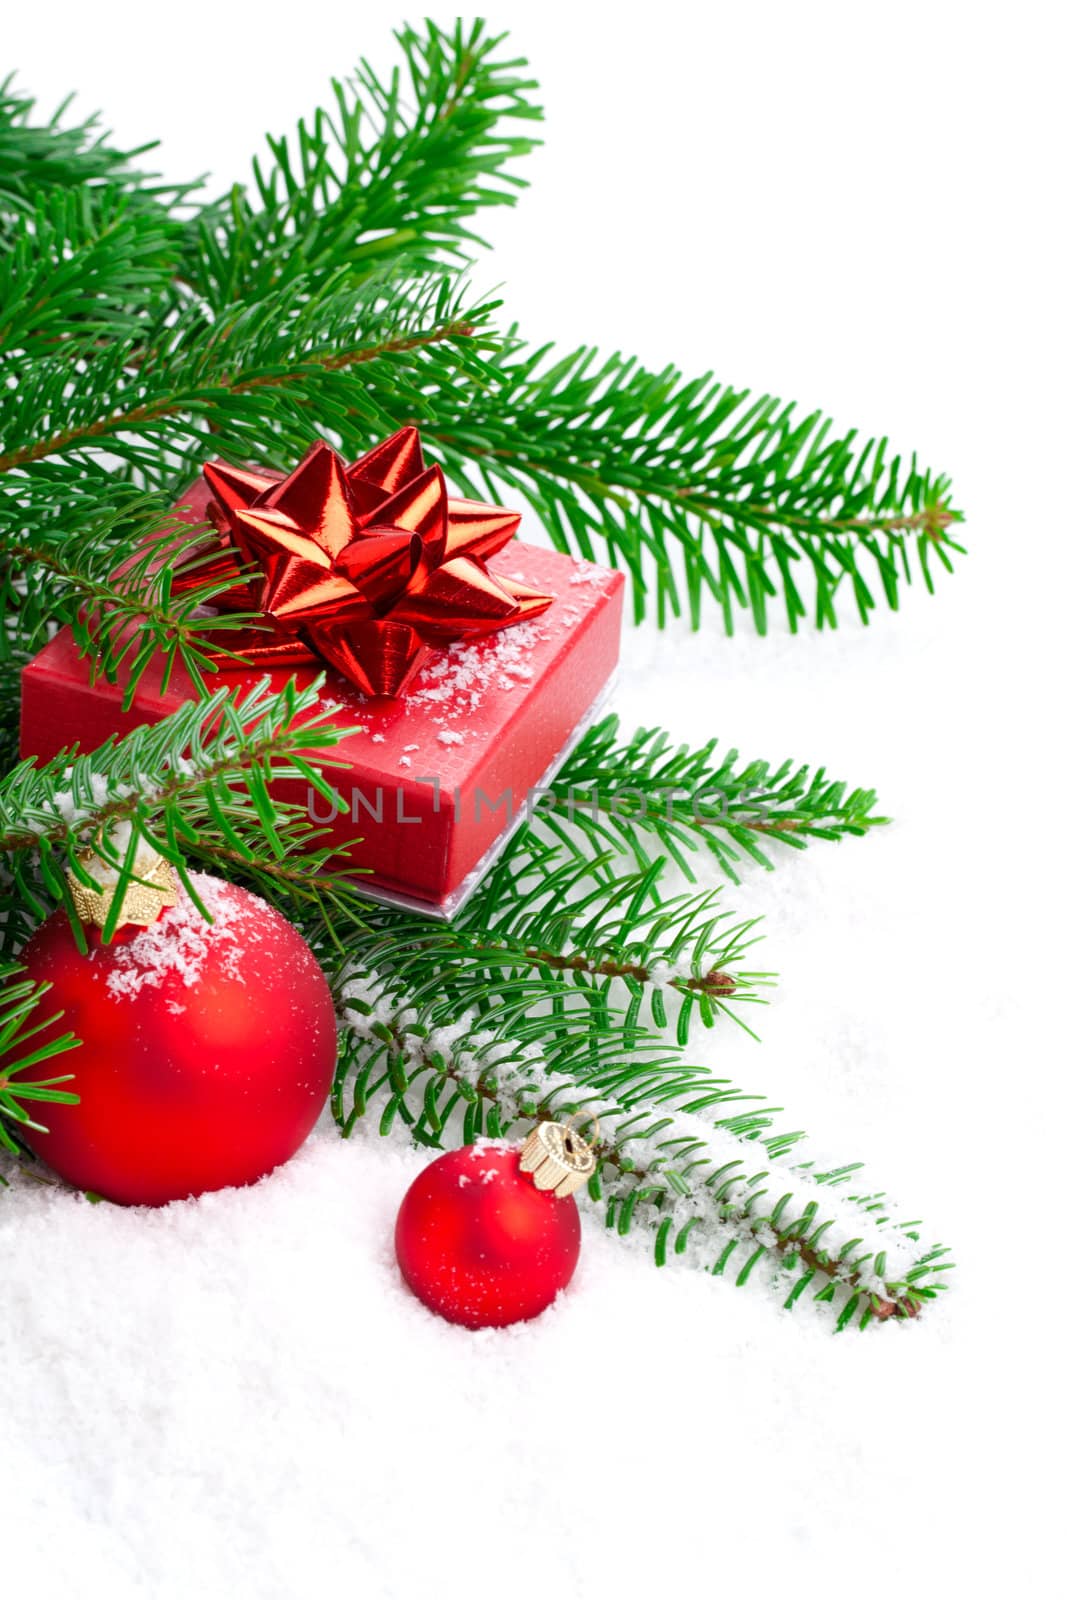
(154, 889)
(557, 1158)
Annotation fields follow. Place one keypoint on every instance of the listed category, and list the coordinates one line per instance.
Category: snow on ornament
(208, 1047)
(490, 1234)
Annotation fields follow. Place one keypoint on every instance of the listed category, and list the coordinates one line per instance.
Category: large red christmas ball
(207, 1049)
(479, 1244)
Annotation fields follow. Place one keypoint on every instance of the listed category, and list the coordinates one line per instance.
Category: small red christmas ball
(207, 1049)
(479, 1244)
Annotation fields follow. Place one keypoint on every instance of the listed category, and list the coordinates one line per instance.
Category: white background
(858, 207)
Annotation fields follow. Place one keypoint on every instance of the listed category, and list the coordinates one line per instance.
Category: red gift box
(436, 778)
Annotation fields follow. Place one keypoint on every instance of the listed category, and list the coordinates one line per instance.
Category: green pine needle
(700, 491)
(143, 331)
(20, 1026)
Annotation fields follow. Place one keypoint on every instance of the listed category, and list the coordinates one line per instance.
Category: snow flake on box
(589, 574)
(457, 682)
(454, 684)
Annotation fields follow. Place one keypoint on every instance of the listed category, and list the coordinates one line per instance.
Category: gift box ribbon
(366, 566)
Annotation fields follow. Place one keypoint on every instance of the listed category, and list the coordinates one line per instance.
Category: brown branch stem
(751, 824)
(713, 982)
(99, 589)
(122, 809)
(932, 520)
(403, 1046)
(137, 416)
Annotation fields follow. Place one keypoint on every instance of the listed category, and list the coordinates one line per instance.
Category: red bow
(366, 566)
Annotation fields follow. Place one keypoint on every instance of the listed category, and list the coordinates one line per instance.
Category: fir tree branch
(16, 650)
(66, 512)
(727, 1191)
(713, 982)
(394, 169)
(698, 490)
(578, 912)
(554, 927)
(74, 801)
(40, 156)
(262, 383)
(616, 792)
(86, 268)
(112, 585)
(194, 783)
(20, 1028)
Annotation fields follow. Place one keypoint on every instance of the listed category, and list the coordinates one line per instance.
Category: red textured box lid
(434, 779)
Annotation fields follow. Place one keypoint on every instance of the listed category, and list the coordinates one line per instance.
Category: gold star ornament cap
(146, 897)
(557, 1158)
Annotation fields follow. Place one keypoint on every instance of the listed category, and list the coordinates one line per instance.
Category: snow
(237, 1399)
(180, 942)
(847, 1229)
(587, 572)
(238, 1396)
(455, 680)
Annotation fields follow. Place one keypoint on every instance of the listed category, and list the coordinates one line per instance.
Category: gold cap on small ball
(557, 1158)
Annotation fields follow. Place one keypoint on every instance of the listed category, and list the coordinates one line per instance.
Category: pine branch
(195, 783)
(53, 499)
(549, 928)
(696, 1182)
(697, 489)
(394, 169)
(40, 156)
(112, 585)
(84, 267)
(261, 383)
(20, 1054)
(20, 627)
(550, 903)
(616, 792)
(65, 513)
